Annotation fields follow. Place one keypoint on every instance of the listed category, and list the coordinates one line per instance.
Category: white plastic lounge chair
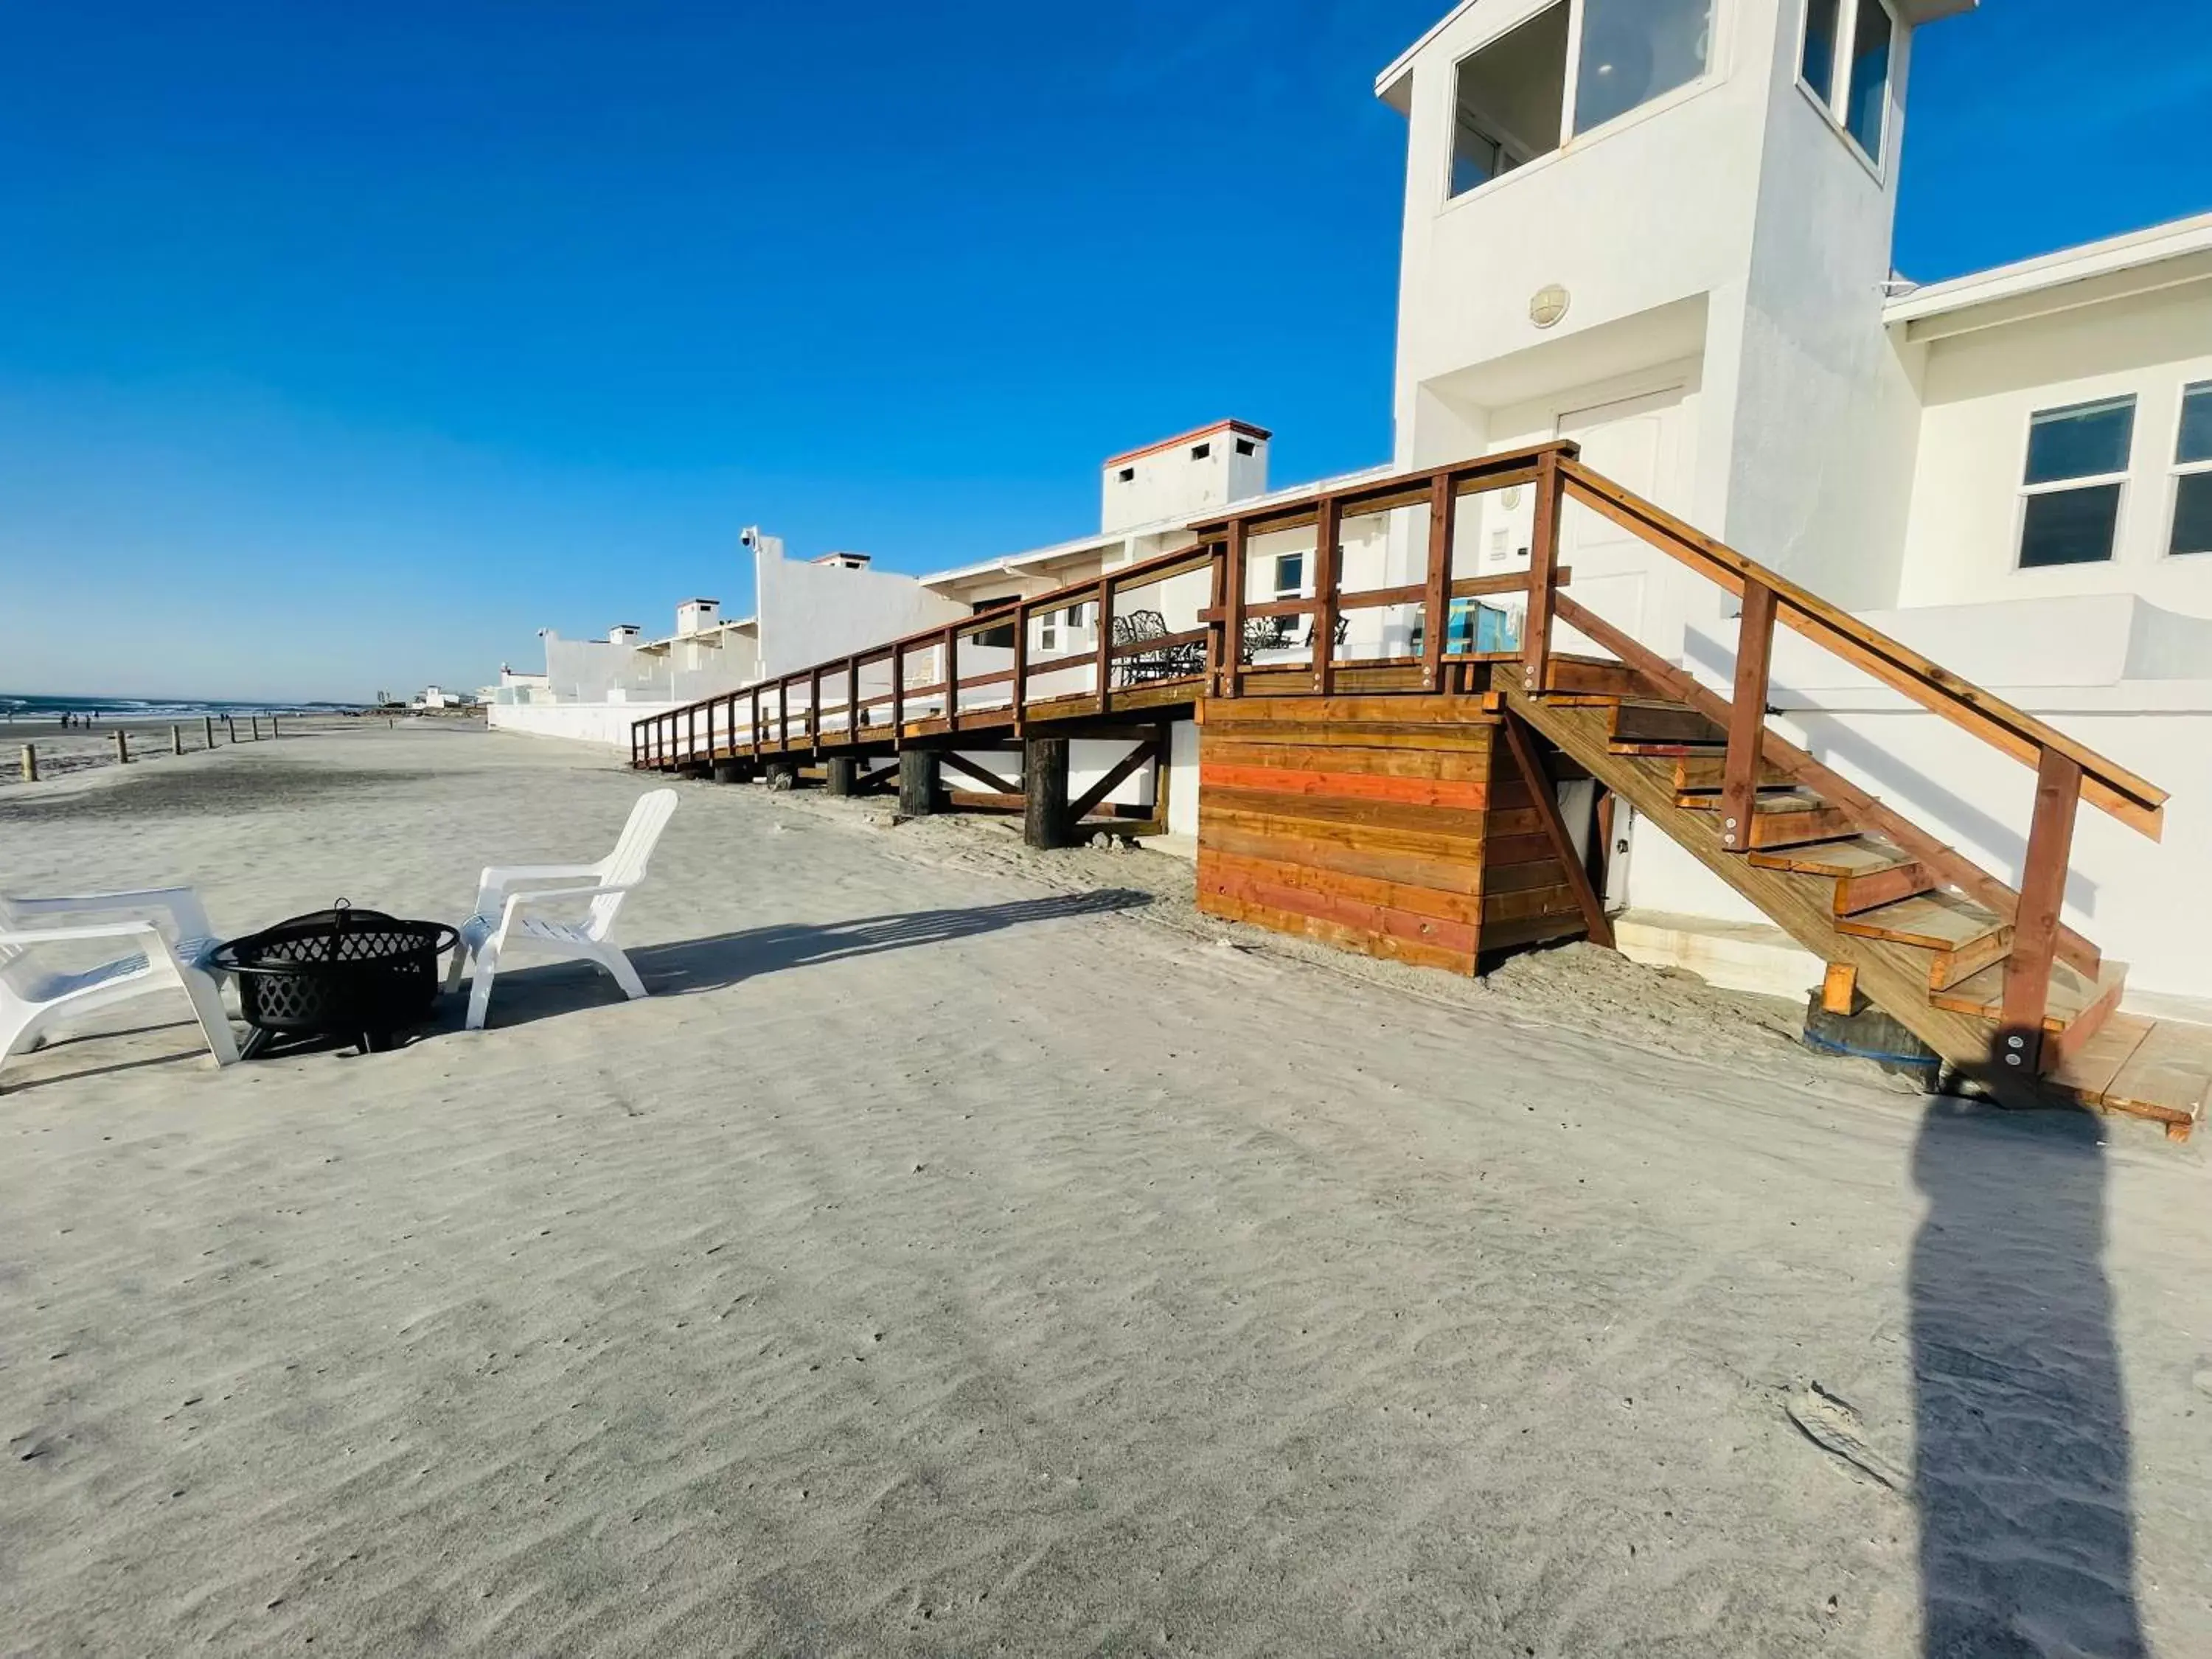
(504, 894)
(168, 955)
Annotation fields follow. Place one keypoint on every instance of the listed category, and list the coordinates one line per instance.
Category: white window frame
(1571, 83)
(2124, 478)
(2179, 470)
(1297, 589)
(1847, 31)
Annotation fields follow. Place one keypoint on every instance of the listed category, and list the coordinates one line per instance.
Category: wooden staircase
(1932, 957)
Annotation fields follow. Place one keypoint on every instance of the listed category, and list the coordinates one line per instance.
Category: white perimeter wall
(607, 723)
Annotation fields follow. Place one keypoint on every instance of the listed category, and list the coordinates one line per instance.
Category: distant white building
(433, 699)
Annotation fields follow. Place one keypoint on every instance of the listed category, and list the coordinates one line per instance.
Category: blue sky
(343, 347)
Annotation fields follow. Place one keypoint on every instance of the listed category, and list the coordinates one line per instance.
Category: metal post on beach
(30, 763)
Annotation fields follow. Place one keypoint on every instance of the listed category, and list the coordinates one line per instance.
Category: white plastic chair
(504, 893)
(168, 955)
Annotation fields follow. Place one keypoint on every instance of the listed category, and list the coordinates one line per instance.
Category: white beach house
(1663, 228)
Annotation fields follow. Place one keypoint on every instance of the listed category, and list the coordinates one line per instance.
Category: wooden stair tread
(1983, 993)
(1936, 922)
(1705, 771)
(2159, 1069)
(1767, 800)
(1861, 855)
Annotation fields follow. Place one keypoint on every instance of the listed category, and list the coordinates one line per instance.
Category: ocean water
(15, 705)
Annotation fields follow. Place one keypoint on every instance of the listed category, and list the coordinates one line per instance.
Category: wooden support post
(1233, 577)
(1163, 764)
(207, 725)
(273, 732)
(1543, 574)
(852, 700)
(2042, 901)
(230, 727)
(176, 739)
(814, 709)
(952, 679)
(1546, 799)
(1021, 661)
(30, 763)
(728, 771)
(1839, 989)
(783, 714)
(1105, 653)
(1747, 736)
(1045, 823)
(122, 747)
(1435, 602)
(898, 697)
(917, 782)
(1328, 538)
(844, 777)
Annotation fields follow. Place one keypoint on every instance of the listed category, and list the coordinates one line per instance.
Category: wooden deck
(1405, 807)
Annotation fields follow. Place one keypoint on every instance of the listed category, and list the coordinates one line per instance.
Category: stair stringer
(1893, 977)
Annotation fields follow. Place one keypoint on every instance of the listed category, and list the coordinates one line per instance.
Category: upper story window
(2077, 468)
(1289, 576)
(2192, 462)
(1846, 64)
(1514, 97)
(1634, 51)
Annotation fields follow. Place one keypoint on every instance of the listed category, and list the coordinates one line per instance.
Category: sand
(62, 749)
(966, 1252)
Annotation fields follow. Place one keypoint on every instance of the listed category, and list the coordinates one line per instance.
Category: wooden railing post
(782, 715)
(1435, 602)
(1021, 660)
(952, 679)
(1543, 574)
(851, 699)
(1105, 651)
(753, 730)
(1747, 736)
(2042, 903)
(814, 709)
(898, 696)
(1234, 562)
(1329, 527)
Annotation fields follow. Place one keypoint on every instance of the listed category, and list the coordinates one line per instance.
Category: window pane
(1818, 67)
(2195, 443)
(1869, 91)
(1635, 50)
(2084, 441)
(2071, 526)
(1512, 93)
(2193, 513)
(1291, 574)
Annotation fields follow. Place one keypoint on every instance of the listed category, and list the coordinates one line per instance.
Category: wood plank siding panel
(1396, 828)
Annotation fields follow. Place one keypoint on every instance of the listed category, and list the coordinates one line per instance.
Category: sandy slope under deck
(947, 1263)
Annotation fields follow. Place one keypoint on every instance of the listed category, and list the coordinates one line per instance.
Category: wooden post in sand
(230, 725)
(176, 739)
(208, 722)
(30, 763)
(253, 724)
(273, 732)
(122, 749)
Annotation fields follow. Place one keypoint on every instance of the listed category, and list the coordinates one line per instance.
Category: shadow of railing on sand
(689, 966)
(2027, 1535)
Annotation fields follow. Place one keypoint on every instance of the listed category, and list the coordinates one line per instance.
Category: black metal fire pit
(356, 975)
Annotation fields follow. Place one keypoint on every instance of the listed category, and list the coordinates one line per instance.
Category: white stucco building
(1664, 228)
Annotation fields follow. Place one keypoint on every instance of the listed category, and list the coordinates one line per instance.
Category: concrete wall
(1963, 539)
(810, 613)
(604, 723)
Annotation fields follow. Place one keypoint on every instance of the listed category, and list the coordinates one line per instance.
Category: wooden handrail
(2105, 784)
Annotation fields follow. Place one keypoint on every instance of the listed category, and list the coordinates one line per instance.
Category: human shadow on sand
(543, 989)
(2027, 1535)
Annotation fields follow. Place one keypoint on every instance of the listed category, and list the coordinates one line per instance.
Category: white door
(1641, 444)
